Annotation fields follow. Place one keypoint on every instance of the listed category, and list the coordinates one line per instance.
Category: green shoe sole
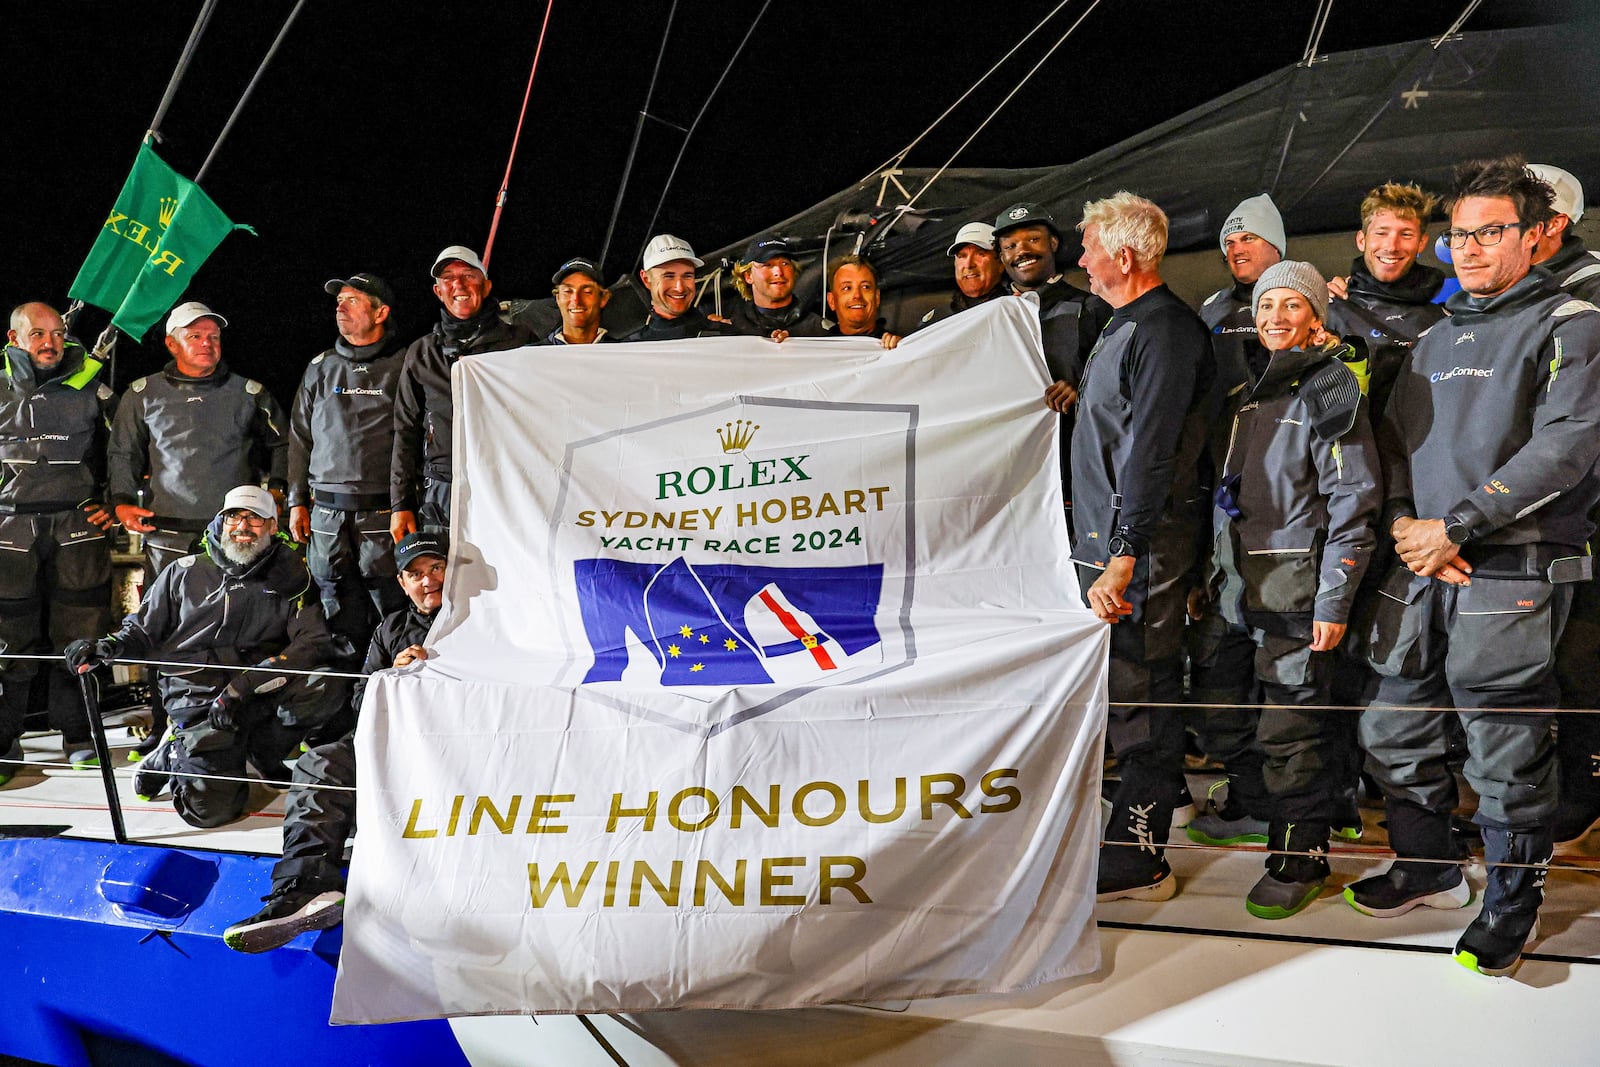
(1200, 837)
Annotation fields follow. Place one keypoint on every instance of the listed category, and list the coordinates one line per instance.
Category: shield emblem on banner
(740, 555)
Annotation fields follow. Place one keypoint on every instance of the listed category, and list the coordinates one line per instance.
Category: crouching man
(246, 601)
(308, 882)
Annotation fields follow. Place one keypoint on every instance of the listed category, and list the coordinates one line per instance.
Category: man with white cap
(194, 429)
(765, 277)
(668, 275)
(245, 601)
(979, 272)
(1560, 251)
(419, 470)
(341, 441)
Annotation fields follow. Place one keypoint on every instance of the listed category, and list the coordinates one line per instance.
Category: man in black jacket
(668, 275)
(1488, 447)
(980, 276)
(1560, 251)
(55, 408)
(246, 601)
(1136, 513)
(308, 882)
(766, 278)
(341, 441)
(419, 470)
(580, 298)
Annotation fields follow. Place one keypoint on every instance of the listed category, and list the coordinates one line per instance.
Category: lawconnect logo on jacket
(1461, 372)
(357, 392)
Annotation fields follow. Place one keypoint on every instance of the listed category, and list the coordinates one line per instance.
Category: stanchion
(102, 752)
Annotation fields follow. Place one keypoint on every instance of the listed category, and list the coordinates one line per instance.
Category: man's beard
(244, 555)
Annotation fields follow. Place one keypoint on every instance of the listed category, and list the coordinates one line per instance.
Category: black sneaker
(1405, 886)
(290, 912)
(1493, 945)
(154, 774)
(1157, 884)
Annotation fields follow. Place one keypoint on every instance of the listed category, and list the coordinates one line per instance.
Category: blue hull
(114, 954)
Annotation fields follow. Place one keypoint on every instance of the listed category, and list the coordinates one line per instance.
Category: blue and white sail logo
(742, 554)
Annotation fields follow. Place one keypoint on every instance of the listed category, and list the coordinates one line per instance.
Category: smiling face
(462, 289)
(854, 299)
(1491, 270)
(1248, 255)
(772, 283)
(423, 582)
(246, 536)
(196, 348)
(1285, 319)
(1390, 244)
(671, 287)
(1029, 255)
(580, 300)
(978, 270)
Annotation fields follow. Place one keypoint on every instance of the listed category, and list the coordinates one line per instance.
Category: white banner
(762, 681)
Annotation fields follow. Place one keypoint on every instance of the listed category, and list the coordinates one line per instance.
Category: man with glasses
(1488, 446)
(246, 601)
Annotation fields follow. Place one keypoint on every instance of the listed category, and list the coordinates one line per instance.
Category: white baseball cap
(251, 498)
(1569, 190)
(664, 248)
(973, 233)
(185, 314)
(461, 253)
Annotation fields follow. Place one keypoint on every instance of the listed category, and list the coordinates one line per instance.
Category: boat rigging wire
(682, 148)
(1000, 106)
(516, 137)
(1455, 27)
(184, 58)
(638, 129)
(1319, 22)
(248, 89)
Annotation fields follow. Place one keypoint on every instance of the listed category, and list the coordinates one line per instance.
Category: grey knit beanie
(1303, 278)
(1257, 215)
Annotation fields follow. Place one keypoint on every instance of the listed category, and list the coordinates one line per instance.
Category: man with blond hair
(1135, 455)
(1388, 298)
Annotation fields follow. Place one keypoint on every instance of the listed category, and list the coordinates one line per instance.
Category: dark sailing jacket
(52, 432)
(341, 431)
(1388, 318)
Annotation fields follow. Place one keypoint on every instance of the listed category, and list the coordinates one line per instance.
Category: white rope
(1319, 22)
(1001, 106)
(1455, 27)
(896, 160)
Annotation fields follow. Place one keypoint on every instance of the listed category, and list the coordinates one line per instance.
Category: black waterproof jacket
(52, 433)
(1388, 318)
(341, 430)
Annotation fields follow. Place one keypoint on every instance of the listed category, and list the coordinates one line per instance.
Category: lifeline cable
(505, 183)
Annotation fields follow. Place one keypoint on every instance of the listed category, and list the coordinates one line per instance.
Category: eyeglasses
(242, 518)
(1486, 236)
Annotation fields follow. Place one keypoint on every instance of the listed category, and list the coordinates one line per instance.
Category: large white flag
(762, 680)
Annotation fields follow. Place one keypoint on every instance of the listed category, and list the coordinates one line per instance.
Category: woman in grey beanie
(1297, 495)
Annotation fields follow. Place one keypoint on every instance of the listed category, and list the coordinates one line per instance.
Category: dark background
(380, 133)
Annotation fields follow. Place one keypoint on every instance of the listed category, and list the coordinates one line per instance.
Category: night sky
(381, 130)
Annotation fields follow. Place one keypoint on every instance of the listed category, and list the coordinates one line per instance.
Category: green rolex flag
(162, 228)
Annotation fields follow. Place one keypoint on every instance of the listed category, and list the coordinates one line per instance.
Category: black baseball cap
(763, 249)
(370, 284)
(417, 544)
(1024, 215)
(578, 265)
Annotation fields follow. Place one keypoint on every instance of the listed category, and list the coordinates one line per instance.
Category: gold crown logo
(169, 208)
(735, 437)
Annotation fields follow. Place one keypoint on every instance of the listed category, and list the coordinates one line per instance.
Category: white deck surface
(1198, 981)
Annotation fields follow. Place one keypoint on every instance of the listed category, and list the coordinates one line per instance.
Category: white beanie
(1257, 215)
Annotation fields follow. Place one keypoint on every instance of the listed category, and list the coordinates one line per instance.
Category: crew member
(980, 276)
(419, 470)
(341, 440)
(55, 562)
(246, 600)
(765, 279)
(580, 298)
(1135, 519)
(308, 882)
(854, 298)
(668, 275)
(1488, 446)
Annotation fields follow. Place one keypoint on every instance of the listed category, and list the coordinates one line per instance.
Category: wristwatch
(1120, 546)
(1456, 530)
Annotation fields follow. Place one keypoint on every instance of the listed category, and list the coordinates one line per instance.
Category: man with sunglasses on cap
(668, 276)
(245, 601)
(308, 882)
(980, 275)
(765, 278)
(580, 298)
(341, 440)
(469, 323)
